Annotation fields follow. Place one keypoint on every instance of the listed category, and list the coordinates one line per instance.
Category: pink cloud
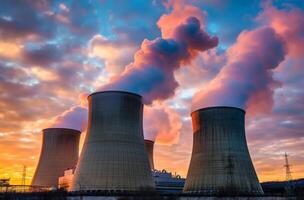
(74, 118)
(152, 72)
(289, 24)
(162, 124)
(181, 11)
(247, 75)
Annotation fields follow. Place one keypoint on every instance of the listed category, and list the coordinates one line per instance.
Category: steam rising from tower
(60, 148)
(246, 79)
(152, 72)
(113, 156)
(220, 162)
(74, 118)
(151, 75)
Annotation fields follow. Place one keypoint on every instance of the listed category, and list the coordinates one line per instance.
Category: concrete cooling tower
(60, 148)
(113, 156)
(149, 146)
(220, 162)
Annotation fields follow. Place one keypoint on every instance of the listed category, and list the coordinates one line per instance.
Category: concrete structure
(113, 155)
(60, 149)
(65, 181)
(149, 146)
(220, 162)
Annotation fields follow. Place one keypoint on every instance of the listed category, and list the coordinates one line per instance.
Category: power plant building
(65, 181)
(113, 156)
(60, 149)
(165, 182)
(220, 162)
(168, 183)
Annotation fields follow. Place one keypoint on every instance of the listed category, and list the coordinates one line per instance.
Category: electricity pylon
(288, 177)
(23, 178)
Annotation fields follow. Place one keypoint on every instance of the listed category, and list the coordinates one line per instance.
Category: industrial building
(149, 146)
(220, 162)
(60, 149)
(65, 181)
(165, 182)
(113, 156)
(168, 183)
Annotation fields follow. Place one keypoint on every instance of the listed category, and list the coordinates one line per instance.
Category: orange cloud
(44, 74)
(10, 50)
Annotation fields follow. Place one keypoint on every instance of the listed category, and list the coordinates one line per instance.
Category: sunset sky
(179, 55)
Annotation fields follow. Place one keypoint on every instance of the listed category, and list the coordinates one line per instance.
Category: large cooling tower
(220, 162)
(113, 155)
(149, 145)
(60, 148)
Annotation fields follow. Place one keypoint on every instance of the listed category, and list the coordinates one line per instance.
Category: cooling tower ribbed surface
(220, 162)
(113, 156)
(149, 146)
(60, 148)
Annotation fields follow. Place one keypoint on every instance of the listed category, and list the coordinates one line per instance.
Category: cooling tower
(60, 148)
(149, 145)
(113, 155)
(220, 162)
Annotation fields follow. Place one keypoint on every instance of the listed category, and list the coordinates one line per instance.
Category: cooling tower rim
(66, 129)
(214, 107)
(114, 91)
(150, 140)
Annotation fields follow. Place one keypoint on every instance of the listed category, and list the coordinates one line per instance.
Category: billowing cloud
(152, 72)
(201, 70)
(162, 124)
(285, 123)
(74, 118)
(181, 10)
(247, 76)
(289, 24)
